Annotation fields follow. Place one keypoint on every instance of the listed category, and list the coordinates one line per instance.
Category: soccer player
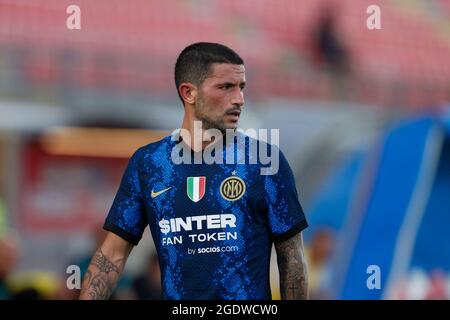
(213, 224)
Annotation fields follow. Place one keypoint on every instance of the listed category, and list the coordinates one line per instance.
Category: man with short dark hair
(213, 224)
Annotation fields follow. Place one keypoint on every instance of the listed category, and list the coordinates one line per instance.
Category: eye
(226, 86)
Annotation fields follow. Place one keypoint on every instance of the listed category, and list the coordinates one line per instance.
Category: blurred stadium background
(364, 118)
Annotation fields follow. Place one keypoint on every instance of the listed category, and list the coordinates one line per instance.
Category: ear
(188, 92)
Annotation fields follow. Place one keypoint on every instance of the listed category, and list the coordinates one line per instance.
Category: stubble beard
(207, 122)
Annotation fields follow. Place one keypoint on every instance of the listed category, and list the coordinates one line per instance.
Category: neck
(193, 133)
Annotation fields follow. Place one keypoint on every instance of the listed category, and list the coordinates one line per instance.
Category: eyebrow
(243, 83)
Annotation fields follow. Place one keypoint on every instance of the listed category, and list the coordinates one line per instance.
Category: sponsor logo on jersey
(157, 193)
(205, 224)
(202, 222)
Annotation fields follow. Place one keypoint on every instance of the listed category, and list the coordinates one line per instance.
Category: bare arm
(105, 268)
(292, 268)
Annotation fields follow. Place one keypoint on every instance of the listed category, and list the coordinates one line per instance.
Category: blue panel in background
(431, 250)
(446, 121)
(330, 207)
(396, 178)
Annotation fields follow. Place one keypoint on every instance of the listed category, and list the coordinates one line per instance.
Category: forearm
(102, 276)
(294, 282)
(292, 269)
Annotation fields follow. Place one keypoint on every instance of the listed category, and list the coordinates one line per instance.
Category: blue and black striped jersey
(213, 225)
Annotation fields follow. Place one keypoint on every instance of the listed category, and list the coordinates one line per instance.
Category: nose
(238, 99)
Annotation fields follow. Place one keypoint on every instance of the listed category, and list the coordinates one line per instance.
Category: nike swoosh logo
(155, 194)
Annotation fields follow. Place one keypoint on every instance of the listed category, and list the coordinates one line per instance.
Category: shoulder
(254, 137)
(152, 151)
(266, 154)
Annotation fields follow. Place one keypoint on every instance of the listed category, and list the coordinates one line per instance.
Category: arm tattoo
(101, 277)
(292, 269)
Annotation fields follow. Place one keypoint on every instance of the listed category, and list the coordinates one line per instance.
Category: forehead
(226, 72)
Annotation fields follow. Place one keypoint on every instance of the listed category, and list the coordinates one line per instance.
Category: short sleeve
(127, 217)
(285, 213)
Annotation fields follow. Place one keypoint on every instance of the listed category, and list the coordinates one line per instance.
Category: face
(220, 97)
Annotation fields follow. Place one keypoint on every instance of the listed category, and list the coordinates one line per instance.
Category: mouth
(234, 114)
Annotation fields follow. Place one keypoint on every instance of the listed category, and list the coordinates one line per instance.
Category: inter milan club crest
(232, 188)
(196, 188)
